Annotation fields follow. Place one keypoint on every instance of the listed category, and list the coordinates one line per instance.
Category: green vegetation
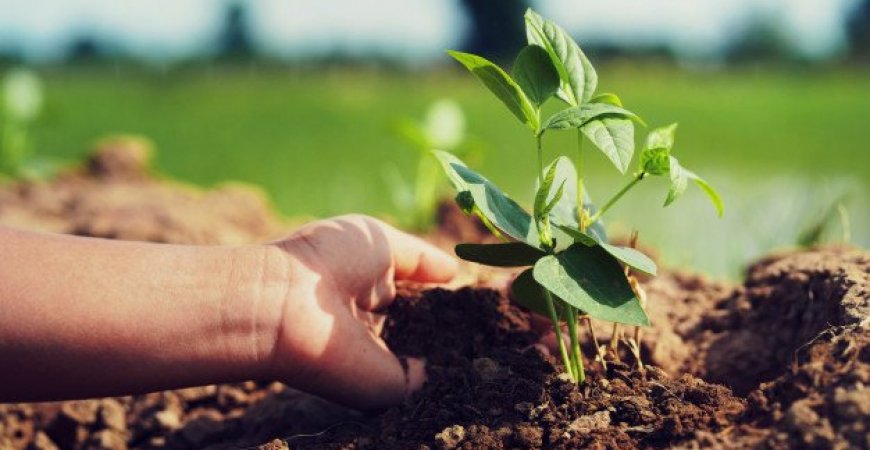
(443, 128)
(577, 272)
(20, 104)
(781, 144)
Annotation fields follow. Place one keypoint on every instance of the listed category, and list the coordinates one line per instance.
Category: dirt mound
(116, 196)
(780, 362)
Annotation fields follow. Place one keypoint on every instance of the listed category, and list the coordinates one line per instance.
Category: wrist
(258, 282)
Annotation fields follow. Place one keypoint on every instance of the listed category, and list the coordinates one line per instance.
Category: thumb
(417, 260)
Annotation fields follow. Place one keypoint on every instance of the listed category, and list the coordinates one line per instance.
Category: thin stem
(616, 197)
(580, 208)
(576, 355)
(540, 148)
(551, 310)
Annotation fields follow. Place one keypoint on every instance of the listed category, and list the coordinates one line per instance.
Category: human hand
(342, 276)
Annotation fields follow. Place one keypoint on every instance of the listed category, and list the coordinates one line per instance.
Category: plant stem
(616, 197)
(580, 208)
(566, 360)
(576, 355)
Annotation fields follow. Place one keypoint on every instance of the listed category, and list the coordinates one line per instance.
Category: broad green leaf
(528, 293)
(661, 137)
(591, 280)
(577, 116)
(504, 213)
(535, 74)
(579, 79)
(711, 193)
(510, 254)
(607, 97)
(655, 161)
(500, 84)
(627, 255)
(679, 181)
(447, 161)
(615, 137)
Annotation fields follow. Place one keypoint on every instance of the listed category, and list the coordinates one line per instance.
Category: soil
(782, 361)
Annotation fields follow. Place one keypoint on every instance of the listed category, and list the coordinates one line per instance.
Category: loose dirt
(782, 361)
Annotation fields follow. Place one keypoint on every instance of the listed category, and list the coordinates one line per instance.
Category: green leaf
(543, 192)
(565, 210)
(615, 137)
(510, 254)
(591, 280)
(535, 74)
(679, 181)
(661, 137)
(504, 213)
(528, 293)
(500, 84)
(608, 98)
(577, 116)
(627, 255)
(711, 193)
(655, 161)
(579, 79)
(555, 200)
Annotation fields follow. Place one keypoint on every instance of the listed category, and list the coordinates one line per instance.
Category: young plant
(443, 127)
(22, 101)
(574, 269)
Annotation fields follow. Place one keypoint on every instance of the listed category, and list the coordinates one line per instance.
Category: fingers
(417, 260)
(359, 370)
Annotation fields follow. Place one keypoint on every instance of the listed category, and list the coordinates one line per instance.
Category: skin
(84, 317)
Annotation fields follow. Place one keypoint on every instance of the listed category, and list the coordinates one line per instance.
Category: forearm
(86, 317)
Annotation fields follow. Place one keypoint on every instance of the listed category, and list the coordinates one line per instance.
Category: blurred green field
(780, 145)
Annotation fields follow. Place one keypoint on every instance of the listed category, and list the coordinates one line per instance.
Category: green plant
(22, 101)
(442, 127)
(575, 270)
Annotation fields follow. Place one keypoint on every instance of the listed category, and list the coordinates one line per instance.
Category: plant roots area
(782, 361)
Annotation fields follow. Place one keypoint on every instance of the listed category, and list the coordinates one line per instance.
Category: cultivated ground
(781, 361)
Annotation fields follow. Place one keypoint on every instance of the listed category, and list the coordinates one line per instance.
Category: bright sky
(412, 28)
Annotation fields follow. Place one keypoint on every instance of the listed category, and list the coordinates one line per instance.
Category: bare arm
(83, 317)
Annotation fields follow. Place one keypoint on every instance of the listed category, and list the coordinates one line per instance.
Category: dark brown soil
(790, 351)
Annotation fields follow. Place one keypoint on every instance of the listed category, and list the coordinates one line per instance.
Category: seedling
(575, 270)
(443, 127)
(22, 101)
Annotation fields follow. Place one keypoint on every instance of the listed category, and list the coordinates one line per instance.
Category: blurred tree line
(496, 30)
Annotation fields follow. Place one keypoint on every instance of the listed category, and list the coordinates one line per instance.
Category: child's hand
(342, 274)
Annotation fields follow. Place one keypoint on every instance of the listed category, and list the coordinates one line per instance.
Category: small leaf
(591, 280)
(655, 161)
(510, 254)
(528, 293)
(615, 137)
(661, 137)
(711, 193)
(565, 210)
(555, 200)
(544, 190)
(608, 98)
(627, 255)
(579, 79)
(447, 161)
(500, 84)
(535, 74)
(679, 181)
(577, 116)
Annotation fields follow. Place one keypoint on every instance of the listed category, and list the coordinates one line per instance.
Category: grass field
(780, 145)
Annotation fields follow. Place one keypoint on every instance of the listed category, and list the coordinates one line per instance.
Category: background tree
(497, 28)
